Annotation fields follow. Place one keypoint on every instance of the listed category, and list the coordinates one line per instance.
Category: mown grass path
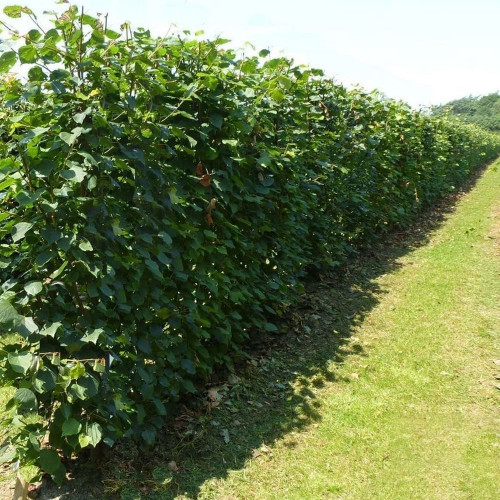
(413, 412)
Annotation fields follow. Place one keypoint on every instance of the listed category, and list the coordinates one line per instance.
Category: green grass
(383, 388)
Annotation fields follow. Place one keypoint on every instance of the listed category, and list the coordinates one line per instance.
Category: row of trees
(161, 197)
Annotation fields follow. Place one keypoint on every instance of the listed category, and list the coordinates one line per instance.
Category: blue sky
(421, 51)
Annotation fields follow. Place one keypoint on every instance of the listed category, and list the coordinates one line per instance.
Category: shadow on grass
(239, 418)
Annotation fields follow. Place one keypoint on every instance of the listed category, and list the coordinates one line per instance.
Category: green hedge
(160, 198)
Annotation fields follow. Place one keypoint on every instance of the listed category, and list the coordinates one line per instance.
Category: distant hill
(482, 110)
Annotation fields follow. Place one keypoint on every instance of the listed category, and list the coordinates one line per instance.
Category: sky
(423, 52)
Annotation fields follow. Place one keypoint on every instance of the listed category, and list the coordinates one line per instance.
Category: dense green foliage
(483, 111)
(161, 198)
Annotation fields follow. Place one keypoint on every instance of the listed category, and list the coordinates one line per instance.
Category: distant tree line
(481, 110)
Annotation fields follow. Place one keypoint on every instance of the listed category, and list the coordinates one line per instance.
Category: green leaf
(70, 138)
(74, 174)
(20, 230)
(80, 117)
(285, 81)
(25, 198)
(35, 132)
(188, 365)
(71, 427)
(13, 11)
(112, 35)
(216, 120)
(36, 74)
(83, 440)
(85, 387)
(7, 312)
(94, 432)
(33, 288)
(44, 257)
(26, 399)
(50, 331)
(50, 461)
(93, 335)
(25, 326)
(44, 381)
(77, 371)
(28, 54)
(270, 327)
(20, 362)
(59, 270)
(85, 246)
(249, 66)
(277, 95)
(149, 436)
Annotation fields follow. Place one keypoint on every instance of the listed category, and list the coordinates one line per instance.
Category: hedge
(160, 198)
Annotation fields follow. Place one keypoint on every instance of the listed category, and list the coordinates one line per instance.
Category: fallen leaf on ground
(225, 435)
(173, 466)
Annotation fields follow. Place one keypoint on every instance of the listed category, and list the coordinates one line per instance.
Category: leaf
(216, 120)
(211, 206)
(249, 66)
(70, 138)
(13, 11)
(26, 399)
(205, 180)
(20, 230)
(113, 35)
(28, 54)
(188, 365)
(35, 132)
(93, 335)
(74, 174)
(20, 362)
(270, 327)
(86, 246)
(80, 117)
(36, 74)
(44, 381)
(149, 436)
(94, 432)
(71, 427)
(25, 198)
(83, 440)
(59, 271)
(33, 288)
(25, 326)
(173, 467)
(49, 461)
(225, 435)
(7, 312)
(85, 387)
(44, 257)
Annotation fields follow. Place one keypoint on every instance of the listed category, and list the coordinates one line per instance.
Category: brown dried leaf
(212, 204)
(205, 180)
